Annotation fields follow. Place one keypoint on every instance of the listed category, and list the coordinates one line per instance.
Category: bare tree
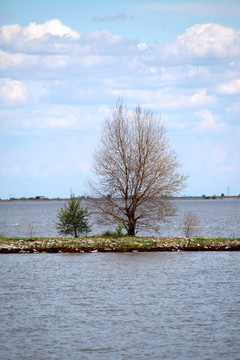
(31, 230)
(136, 170)
(190, 224)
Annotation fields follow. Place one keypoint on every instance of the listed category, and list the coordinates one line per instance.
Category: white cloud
(16, 60)
(205, 41)
(34, 65)
(168, 99)
(52, 36)
(43, 117)
(60, 85)
(53, 45)
(13, 93)
(208, 119)
(200, 98)
(230, 88)
(52, 27)
(9, 33)
(142, 46)
(208, 122)
(105, 35)
(100, 66)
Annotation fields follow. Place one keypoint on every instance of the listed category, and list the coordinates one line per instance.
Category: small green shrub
(108, 233)
(119, 230)
(72, 218)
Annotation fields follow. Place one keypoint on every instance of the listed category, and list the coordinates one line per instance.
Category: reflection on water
(218, 218)
(120, 306)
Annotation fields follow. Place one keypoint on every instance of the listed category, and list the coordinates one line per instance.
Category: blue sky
(64, 64)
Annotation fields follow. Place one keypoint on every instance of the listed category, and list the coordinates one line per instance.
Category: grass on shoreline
(115, 244)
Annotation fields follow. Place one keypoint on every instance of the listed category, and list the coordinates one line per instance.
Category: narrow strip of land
(115, 244)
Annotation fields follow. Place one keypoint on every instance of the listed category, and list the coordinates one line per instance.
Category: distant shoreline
(83, 198)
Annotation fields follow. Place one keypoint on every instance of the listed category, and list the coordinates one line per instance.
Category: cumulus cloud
(199, 42)
(201, 98)
(106, 65)
(52, 27)
(203, 41)
(33, 31)
(230, 88)
(38, 65)
(168, 99)
(15, 61)
(13, 93)
(55, 38)
(59, 82)
(35, 37)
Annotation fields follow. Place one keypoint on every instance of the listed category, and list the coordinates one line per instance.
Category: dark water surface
(117, 306)
(218, 218)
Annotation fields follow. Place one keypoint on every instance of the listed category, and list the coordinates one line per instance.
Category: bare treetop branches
(136, 168)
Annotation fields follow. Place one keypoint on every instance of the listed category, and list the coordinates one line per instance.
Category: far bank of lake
(218, 218)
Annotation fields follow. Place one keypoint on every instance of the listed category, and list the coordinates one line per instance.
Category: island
(115, 244)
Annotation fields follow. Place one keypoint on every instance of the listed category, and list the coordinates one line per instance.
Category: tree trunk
(131, 227)
(131, 232)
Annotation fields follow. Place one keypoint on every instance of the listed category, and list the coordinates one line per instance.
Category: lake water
(218, 218)
(120, 306)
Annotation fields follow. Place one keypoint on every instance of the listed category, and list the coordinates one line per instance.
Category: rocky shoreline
(124, 244)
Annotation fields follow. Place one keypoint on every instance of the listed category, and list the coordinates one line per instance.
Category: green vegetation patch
(111, 244)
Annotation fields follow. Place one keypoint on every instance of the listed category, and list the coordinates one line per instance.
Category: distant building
(40, 197)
